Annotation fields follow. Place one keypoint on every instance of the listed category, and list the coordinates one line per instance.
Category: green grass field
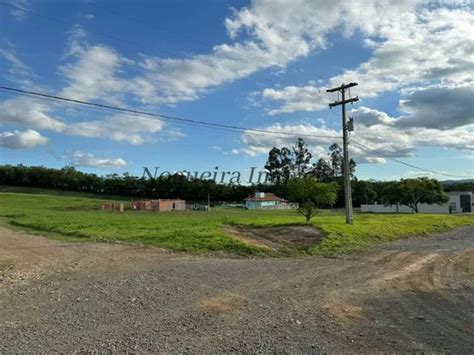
(79, 219)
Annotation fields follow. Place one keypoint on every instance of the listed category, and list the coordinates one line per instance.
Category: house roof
(267, 197)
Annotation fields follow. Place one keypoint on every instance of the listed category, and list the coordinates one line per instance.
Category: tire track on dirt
(411, 295)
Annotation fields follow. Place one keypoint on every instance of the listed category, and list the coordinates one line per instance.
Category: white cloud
(17, 71)
(265, 34)
(15, 7)
(17, 67)
(306, 98)
(373, 129)
(121, 128)
(260, 143)
(422, 45)
(369, 117)
(126, 128)
(94, 74)
(90, 160)
(21, 139)
(29, 114)
(439, 107)
(384, 134)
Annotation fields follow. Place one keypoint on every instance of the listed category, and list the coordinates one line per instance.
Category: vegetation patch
(372, 229)
(79, 219)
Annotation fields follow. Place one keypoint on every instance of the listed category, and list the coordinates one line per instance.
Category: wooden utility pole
(346, 164)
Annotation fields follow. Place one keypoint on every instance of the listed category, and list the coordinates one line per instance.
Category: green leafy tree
(412, 192)
(302, 158)
(336, 158)
(286, 159)
(311, 195)
(279, 165)
(363, 193)
(273, 165)
(323, 171)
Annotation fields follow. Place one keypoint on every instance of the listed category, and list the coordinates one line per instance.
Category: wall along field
(79, 219)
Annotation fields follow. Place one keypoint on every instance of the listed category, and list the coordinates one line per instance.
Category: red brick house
(160, 205)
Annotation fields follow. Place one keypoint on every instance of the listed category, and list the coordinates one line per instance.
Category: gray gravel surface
(413, 295)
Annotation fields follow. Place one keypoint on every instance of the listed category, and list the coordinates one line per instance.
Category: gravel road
(410, 295)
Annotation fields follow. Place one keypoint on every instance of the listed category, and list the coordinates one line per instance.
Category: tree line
(285, 166)
(173, 186)
(320, 184)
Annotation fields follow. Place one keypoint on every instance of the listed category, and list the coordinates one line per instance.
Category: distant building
(160, 205)
(422, 208)
(107, 206)
(267, 200)
(459, 202)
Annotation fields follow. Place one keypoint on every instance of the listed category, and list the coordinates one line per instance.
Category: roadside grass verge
(79, 219)
(372, 229)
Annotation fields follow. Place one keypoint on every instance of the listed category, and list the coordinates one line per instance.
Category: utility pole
(346, 164)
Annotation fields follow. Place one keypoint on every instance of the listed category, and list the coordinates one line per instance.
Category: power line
(208, 125)
(29, 98)
(366, 148)
(166, 117)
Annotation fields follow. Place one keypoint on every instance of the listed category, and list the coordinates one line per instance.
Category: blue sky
(257, 64)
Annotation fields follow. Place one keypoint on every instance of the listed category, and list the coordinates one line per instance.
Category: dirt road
(411, 295)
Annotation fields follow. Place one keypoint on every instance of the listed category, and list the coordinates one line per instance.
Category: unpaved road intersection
(411, 295)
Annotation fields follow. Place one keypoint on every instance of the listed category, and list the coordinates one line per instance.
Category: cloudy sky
(258, 64)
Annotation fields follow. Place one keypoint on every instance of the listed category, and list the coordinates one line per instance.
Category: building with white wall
(459, 202)
(267, 200)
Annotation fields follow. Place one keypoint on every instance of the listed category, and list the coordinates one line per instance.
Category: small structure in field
(267, 201)
(107, 206)
(197, 207)
(112, 207)
(160, 205)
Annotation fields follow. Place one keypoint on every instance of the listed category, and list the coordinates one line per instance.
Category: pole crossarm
(342, 87)
(337, 103)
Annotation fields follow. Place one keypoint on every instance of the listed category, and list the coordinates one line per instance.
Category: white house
(267, 200)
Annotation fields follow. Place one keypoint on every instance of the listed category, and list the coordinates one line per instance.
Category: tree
(322, 171)
(336, 157)
(363, 193)
(286, 159)
(412, 192)
(273, 165)
(302, 158)
(311, 195)
(279, 165)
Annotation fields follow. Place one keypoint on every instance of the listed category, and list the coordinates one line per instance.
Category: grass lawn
(76, 218)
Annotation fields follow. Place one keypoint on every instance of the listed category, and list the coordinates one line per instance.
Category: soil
(415, 295)
(277, 238)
